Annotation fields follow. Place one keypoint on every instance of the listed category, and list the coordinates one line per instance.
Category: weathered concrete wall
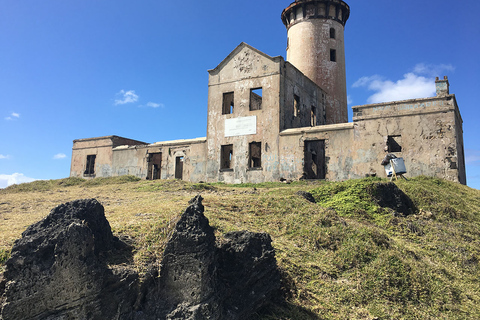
(427, 131)
(130, 160)
(133, 159)
(101, 147)
(294, 83)
(193, 153)
(339, 159)
(244, 69)
(310, 43)
(428, 128)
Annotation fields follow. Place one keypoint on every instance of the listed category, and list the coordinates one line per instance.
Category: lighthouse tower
(315, 46)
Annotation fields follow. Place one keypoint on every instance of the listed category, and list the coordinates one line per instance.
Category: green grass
(344, 257)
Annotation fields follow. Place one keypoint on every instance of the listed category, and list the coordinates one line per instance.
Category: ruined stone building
(272, 119)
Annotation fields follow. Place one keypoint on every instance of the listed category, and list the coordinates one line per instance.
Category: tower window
(296, 105)
(332, 33)
(394, 143)
(90, 166)
(255, 154)
(256, 99)
(313, 116)
(333, 55)
(226, 156)
(227, 103)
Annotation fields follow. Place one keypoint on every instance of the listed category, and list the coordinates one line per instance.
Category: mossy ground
(344, 257)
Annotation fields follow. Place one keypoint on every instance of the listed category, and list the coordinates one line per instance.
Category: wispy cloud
(472, 157)
(59, 156)
(152, 105)
(410, 87)
(16, 178)
(13, 116)
(418, 83)
(124, 97)
(433, 70)
(4, 156)
(349, 100)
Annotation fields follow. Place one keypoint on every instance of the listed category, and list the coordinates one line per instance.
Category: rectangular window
(332, 33)
(255, 154)
(313, 116)
(90, 165)
(333, 55)
(394, 143)
(227, 103)
(256, 99)
(296, 105)
(226, 156)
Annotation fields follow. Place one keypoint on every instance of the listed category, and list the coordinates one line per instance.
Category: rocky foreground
(69, 266)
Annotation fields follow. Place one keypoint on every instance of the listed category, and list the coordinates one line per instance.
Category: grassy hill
(351, 255)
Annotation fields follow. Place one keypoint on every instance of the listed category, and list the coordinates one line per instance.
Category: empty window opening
(296, 105)
(179, 168)
(227, 103)
(394, 143)
(313, 116)
(90, 166)
(256, 97)
(154, 161)
(314, 159)
(333, 55)
(332, 33)
(226, 161)
(255, 152)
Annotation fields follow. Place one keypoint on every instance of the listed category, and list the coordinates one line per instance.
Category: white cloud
(419, 83)
(60, 156)
(153, 105)
(12, 116)
(16, 178)
(4, 156)
(349, 100)
(433, 70)
(410, 87)
(126, 97)
(472, 157)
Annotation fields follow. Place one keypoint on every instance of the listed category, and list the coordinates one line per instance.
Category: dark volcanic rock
(388, 195)
(307, 195)
(248, 273)
(58, 270)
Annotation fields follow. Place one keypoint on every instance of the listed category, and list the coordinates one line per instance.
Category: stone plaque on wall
(240, 126)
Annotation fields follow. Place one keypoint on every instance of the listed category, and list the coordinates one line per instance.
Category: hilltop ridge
(354, 254)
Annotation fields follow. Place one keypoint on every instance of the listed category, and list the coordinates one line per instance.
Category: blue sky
(138, 69)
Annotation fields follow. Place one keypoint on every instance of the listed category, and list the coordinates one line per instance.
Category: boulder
(59, 270)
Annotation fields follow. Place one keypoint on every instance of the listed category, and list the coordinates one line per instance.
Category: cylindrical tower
(315, 46)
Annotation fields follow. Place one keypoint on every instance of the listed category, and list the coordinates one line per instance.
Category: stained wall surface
(102, 148)
(239, 127)
(267, 122)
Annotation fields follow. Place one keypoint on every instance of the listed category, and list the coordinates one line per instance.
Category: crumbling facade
(270, 119)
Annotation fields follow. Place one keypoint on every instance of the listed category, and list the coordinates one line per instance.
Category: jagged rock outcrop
(58, 270)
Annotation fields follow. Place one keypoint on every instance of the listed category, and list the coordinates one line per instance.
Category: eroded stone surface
(58, 270)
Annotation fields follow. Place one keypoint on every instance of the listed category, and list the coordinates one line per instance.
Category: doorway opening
(315, 159)
(154, 161)
(179, 168)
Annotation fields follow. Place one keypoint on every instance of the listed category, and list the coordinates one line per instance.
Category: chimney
(442, 87)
